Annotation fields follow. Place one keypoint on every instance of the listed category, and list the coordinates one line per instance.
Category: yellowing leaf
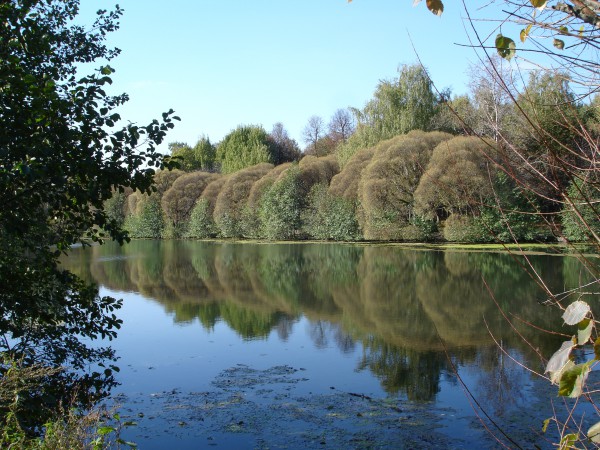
(435, 6)
(546, 423)
(593, 433)
(560, 357)
(506, 47)
(584, 331)
(573, 380)
(578, 310)
(556, 376)
(525, 33)
(539, 4)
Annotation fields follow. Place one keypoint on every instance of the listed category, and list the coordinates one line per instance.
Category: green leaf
(505, 46)
(435, 6)
(584, 331)
(593, 433)
(563, 30)
(525, 33)
(559, 43)
(539, 4)
(106, 70)
(576, 312)
(560, 357)
(573, 380)
(597, 349)
(568, 441)
(103, 431)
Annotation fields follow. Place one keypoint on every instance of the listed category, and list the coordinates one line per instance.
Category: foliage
(148, 222)
(510, 215)
(244, 147)
(68, 427)
(328, 217)
(281, 205)
(251, 215)
(62, 155)
(580, 216)
(115, 207)
(231, 200)
(398, 106)
(179, 200)
(201, 224)
(388, 182)
(457, 179)
(200, 157)
(463, 228)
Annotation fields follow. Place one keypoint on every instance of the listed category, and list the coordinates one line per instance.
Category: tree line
(412, 165)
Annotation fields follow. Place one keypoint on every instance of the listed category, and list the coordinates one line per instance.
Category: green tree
(244, 147)
(200, 157)
(62, 154)
(398, 106)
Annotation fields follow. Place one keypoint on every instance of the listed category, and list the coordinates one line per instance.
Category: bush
(389, 181)
(586, 198)
(201, 224)
(329, 217)
(251, 215)
(459, 228)
(179, 200)
(281, 206)
(149, 222)
(231, 200)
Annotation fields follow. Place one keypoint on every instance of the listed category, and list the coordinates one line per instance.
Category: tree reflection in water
(402, 306)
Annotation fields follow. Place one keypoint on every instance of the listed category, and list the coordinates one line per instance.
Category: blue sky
(222, 63)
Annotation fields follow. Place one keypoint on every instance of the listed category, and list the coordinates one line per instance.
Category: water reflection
(411, 311)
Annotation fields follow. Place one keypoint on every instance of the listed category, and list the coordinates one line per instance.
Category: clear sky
(222, 63)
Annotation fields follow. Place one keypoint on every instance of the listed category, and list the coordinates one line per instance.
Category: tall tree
(286, 148)
(312, 132)
(244, 147)
(397, 107)
(341, 125)
(62, 154)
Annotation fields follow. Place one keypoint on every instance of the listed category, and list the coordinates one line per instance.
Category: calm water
(325, 345)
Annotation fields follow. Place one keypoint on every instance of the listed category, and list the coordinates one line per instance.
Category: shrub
(231, 200)
(329, 217)
(179, 200)
(149, 222)
(281, 206)
(388, 183)
(459, 228)
(251, 214)
(201, 224)
(581, 220)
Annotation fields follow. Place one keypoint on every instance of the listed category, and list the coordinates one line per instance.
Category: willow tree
(231, 201)
(243, 147)
(179, 200)
(388, 182)
(397, 107)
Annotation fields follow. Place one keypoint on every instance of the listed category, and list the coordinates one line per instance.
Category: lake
(308, 345)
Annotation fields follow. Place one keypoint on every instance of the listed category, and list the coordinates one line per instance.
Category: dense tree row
(410, 165)
(417, 186)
